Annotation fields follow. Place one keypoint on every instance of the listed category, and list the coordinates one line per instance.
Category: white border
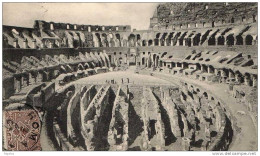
(130, 153)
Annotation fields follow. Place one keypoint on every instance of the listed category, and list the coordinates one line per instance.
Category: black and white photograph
(117, 76)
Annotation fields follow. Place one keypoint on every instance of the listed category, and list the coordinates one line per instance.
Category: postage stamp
(22, 130)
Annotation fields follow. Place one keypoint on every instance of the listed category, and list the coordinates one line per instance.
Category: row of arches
(225, 74)
(231, 40)
(184, 40)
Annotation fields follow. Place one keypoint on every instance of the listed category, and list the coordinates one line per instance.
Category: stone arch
(157, 61)
(98, 39)
(106, 57)
(182, 38)
(163, 37)
(104, 40)
(153, 57)
(231, 74)
(143, 60)
(239, 77)
(196, 39)
(150, 42)
(144, 43)
(247, 79)
(156, 40)
(212, 40)
(239, 40)
(175, 38)
(221, 40)
(230, 40)
(188, 41)
(138, 39)
(168, 39)
(80, 67)
(132, 40)
(86, 65)
(117, 40)
(211, 69)
(249, 40)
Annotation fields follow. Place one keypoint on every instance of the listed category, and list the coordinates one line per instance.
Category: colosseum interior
(187, 83)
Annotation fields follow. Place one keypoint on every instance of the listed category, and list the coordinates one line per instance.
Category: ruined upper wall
(192, 15)
(43, 25)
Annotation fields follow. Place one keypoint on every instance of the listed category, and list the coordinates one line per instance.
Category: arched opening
(80, 67)
(104, 40)
(156, 41)
(86, 65)
(154, 57)
(144, 43)
(248, 80)
(188, 41)
(175, 38)
(150, 42)
(143, 61)
(239, 39)
(99, 39)
(131, 40)
(138, 40)
(204, 68)
(231, 75)
(212, 41)
(156, 61)
(162, 40)
(211, 69)
(118, 40)
(196, 39)
(249, 40)
(138, 37)
(221, 40)
(168, 40)
(182, 38)
(230, 40)
(76, 44)
(239, 77)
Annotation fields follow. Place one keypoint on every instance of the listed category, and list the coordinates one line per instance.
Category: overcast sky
(135, 14)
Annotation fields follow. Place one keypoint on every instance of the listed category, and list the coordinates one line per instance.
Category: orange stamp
(22, 130)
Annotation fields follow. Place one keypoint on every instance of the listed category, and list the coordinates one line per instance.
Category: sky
(135, 14)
